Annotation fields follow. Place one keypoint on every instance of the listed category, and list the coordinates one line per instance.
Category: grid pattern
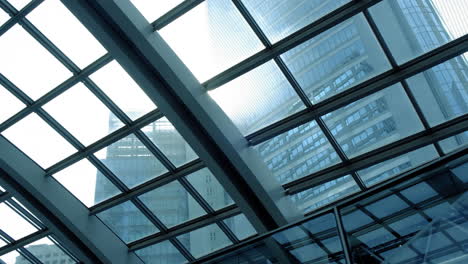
(303, 133)
(137, 154)
(341, 171)
(24, 238)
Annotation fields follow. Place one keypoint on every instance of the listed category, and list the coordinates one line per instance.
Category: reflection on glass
(131, 161)
(324, 194)
(13, 224)
(172, 204)
(240, 226)
(298, 152)
(87, 124)
(152, 10)
(47, 252)
(202, 42)
(81, 179)
(44, 72)
(73, 39)
(163, 252)
(279, 18)
(123, 90)
(442, 90)
(421, 25)
(118, 217)
(210, 189)
(204, 240)
(337, 59)
(374, 121)
(452, 143)
(164, 135)
(390, 168)
(258, 98)
(39, 141)
(10, 104)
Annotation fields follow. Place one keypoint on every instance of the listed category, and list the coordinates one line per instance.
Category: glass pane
(398, 165)
(87, 124)
(127, 222)
(83, 180)
(210, 189)
(13, 224)
(164, 135)
(19, 4)
(299, 152)
(152, 10)
(163, 252)
(73, 39)
(240, 226)
(441, 91)
(3, 17)
(39, 141)
(202, 42)
(419, 193)
(412, 28)
(123, 90)
(10, 258)
(172, 204)
(337, 59)
(23, 56)
(47, 252)
(324, 194)
(258, 98)
(10, 105)
(131, 161)
(204, 240)
(374, 121)
(386, 206)
(452, 143)
(279, 18)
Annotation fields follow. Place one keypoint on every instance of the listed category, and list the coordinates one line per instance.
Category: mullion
(155, 151)
(4, 196)
(22, 242)
(196, 195)
(24, 213)
(383, 44)
(15, 18)
(175, 13)
(108, 173)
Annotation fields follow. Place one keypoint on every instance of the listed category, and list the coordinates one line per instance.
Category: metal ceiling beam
(64, 215)
(154, 66)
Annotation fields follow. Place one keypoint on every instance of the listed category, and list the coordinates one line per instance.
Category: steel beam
(154, 66)
(65, 216)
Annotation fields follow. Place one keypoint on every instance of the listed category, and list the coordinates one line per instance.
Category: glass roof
(303, 107)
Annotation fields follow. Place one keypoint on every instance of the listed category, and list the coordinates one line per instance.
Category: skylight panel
(10, 105)
(164, 252)
(152, 10)
(118, 217)
(211, 38)
(3, 17)
(13, 224)
(298, 152)
(39, 141)
(131, 161)
(210, 189)
(172, 204)
(86, 183)
(279, 18)
(444, 95)
(10, 257)
(47, 251)
(58, 24)
(374, 121)
(204, 235)
(423, 32)
(29, 65)
(258, 98)
(240, 226)
(164, 135)
(82, 114)
(123, 90)
(19, 4)
(452, 143)
(337, 59)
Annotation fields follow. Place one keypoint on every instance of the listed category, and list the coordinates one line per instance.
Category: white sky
(43, 73)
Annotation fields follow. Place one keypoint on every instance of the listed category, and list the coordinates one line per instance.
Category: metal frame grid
(21, 244)
(86, 152)
(397, 74)
(393, 187)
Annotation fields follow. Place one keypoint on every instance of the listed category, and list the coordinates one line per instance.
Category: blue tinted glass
(409, 224)
(386, 206)
(161, 253)
(376, 237)
(355, 219)
(419, 192)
